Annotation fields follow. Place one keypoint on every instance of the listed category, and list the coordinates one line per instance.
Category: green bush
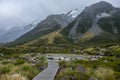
(26, 67)
(19, 61)
(4, 70)
(116, 67)
(68, 74)
(31, 73)
(117, 75)
(106, 68)
(59, 40)
(103, 73)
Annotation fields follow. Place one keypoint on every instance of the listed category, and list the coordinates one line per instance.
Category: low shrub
(25, 67)
(4, 69)
(68, 74)
(19, 61)
(104, 73)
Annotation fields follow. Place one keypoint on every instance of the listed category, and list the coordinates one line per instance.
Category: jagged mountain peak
(102, 3)
(98, 8)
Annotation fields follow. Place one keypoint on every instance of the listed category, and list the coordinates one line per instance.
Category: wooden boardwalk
(49, 73)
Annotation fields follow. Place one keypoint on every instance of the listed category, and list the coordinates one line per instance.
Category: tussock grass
(52, 35)
(85, 70)
(4, 69)
(68, 74)
(104, 73)
(12, 77)
(21, 69)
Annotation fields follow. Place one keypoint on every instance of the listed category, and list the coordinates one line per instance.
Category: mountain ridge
(89, 23)
(15, 32)
(46, 26)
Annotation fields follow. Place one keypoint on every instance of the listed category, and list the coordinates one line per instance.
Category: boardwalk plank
(49, 73)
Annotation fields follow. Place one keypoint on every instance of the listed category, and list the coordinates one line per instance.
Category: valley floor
(21, 66)
(85, 63)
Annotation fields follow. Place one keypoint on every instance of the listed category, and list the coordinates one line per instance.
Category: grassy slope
(27, 38)
(104, 38)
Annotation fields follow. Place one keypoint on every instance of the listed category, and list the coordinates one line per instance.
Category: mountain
(111, 23)
(98, 22)
(15, 32)
(48, 25)
(94, 20)
(2, 32)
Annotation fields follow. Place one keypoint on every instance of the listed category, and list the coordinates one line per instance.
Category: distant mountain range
(15, 32)
(2, 32)
(97, 22)
(48, 25)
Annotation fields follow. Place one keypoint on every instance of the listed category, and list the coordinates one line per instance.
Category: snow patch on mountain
(103, 15)
(74, 13)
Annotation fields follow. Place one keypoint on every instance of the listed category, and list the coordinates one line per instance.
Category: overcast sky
(21, 12)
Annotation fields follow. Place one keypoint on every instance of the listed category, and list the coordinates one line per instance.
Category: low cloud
(21, 12)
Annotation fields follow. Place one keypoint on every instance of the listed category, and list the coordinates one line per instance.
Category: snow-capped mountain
(97, 19)
(50, 24)
(53, 21)
(15, 32)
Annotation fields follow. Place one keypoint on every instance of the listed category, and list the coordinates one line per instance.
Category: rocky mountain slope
(48, 25)
(94, 20)
(97, 22)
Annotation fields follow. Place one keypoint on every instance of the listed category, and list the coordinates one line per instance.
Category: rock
(1, 54)
(18, 76)
(81, 69)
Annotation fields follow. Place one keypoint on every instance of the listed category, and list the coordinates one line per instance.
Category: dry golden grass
(101, 73)
(86, 36)
(52, 35)
(12, 77)
(104, 73)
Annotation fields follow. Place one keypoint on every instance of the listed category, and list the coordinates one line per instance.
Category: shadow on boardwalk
(49, 73)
